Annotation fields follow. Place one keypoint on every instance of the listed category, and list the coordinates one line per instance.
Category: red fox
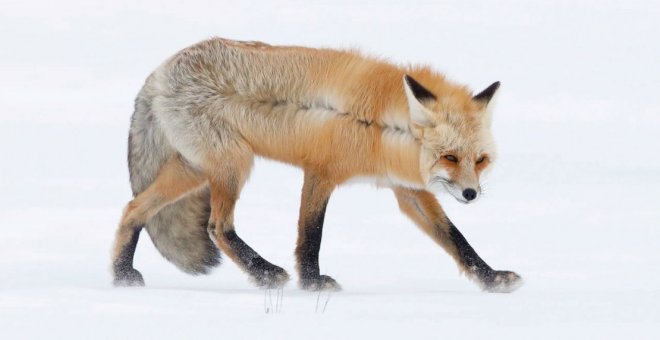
(205, 113)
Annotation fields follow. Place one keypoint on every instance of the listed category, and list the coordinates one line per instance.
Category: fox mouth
(450, 187)
(456, 193)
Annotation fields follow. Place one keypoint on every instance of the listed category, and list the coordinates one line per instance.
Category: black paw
(128, 278)
(271, 277)
(321, 282)
(501, 281)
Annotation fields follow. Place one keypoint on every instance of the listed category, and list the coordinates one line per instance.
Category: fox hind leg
(175, 179)
(225, 183)
(122, 264)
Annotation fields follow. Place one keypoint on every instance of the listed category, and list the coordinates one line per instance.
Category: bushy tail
(179, 230)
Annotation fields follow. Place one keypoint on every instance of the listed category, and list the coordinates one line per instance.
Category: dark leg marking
(490, 280)
(469, 257)
(125, 274)
(308, 253)
(423, 208)
(264, 273)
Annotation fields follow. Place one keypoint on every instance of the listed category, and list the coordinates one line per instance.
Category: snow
(571, 204)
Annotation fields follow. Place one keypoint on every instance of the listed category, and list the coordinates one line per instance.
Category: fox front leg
(315, 195)
(225, 187)
(423, 208)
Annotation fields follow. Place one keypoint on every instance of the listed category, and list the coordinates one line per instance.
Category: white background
(571, 205)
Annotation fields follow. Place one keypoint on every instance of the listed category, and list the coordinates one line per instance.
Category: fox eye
(451, 158)
(481, 159)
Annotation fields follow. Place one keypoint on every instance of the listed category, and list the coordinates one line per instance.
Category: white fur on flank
(392, 120)
(394, 137)
(388, 182)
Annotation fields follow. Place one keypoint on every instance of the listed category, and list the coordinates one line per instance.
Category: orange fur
(330, 110)
(335, 114)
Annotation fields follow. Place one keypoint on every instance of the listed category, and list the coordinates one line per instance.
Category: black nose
(469, 194)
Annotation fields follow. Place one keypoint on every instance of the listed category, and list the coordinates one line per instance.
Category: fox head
(454, 132)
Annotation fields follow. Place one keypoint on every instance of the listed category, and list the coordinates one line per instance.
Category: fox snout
(469, 194)
(463, 194)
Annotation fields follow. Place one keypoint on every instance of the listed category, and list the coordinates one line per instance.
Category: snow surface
(571, 205)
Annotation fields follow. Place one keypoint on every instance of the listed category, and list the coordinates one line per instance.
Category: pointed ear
(417, 95)
(486, 95)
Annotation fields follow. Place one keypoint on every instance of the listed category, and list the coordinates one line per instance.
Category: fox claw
(275, 277)
(322, 282)
(502, 281)
(128, 278)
